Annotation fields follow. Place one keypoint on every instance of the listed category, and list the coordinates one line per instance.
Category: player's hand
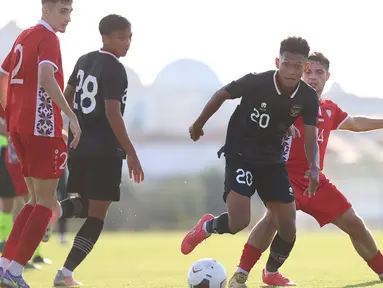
(293, 132)
(135, 170)
(313, 175)
(76, 131)
(196, 131)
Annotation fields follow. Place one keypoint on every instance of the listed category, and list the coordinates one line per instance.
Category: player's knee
(98, 209)
(238, 222)
(351, 223)
(74, 207)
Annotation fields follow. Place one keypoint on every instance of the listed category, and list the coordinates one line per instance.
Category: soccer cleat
(238, 280)
(10, 281)
(32, 266)
(276, 279)
(195, 236)
(1, 276)
(41, 260)
(62, 281)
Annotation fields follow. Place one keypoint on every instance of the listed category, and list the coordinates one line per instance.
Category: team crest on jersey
(295, 110)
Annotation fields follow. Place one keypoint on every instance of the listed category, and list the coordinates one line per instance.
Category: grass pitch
(153, 260)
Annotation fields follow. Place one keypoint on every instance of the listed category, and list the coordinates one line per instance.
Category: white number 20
(262, 119)
(18, 50)
(244, 177)
(86, 94)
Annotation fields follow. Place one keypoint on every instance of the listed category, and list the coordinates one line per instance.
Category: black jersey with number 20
(258, 125)
(97, 76)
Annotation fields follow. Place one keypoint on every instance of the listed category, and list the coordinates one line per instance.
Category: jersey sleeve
(114, 82)
(310, 108)
(243, 86)
(5, 67)
(49, 50)
(339, 117)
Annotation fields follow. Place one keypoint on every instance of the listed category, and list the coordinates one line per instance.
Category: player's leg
(101, 185)
(62, 222)
(44, 173)
(331, 205)
(6, 218)
(258, 241)
(23, 216)
(239, 187)
(352, 224)
(7, 194)
(275, 190)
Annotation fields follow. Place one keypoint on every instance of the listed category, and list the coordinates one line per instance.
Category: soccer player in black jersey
(98, 90)
(270, 103)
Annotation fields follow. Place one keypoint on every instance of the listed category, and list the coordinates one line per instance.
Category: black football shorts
(95, 177)
(269, 180)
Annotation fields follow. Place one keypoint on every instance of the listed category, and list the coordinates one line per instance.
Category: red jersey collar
(279, 89)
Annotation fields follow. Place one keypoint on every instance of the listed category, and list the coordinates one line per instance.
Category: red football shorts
(327, 204)
(40, 157)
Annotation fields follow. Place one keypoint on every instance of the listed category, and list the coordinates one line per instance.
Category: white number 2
(18, 49)
(244, 177)
(86, 94)
(262, 119)
(65, 155)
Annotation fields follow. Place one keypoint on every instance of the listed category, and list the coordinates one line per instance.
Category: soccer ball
(207, 273)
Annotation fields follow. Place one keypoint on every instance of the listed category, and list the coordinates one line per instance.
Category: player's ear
(328, 76)
(307, 66)
(277, 62)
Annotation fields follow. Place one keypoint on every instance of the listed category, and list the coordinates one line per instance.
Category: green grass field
(153, 260)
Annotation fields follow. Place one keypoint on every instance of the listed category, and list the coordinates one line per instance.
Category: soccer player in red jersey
(33, 105)
(328, 205)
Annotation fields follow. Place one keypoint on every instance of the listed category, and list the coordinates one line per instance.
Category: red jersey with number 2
(29, 108)
(330, 117)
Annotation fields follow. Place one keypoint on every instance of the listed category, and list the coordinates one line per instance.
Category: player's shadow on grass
(365, 284)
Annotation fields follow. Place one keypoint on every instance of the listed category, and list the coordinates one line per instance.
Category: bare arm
(3, 88)
(69, 94)
(212, 106)
(50, 85)
(113, 113)
(361, 124)
(311, 145)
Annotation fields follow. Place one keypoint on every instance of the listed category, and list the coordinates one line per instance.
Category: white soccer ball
(207, 273)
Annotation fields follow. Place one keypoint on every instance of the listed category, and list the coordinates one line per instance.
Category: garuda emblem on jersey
(295, 110)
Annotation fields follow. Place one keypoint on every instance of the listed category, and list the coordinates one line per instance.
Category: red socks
(32, 234)
(250, 256)
(376, 263)
(17, 229)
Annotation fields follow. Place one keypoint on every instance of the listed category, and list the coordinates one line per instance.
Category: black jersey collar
(279, 90)
(109, 53)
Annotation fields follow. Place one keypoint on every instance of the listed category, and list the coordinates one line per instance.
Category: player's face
(291, 67)
(119, 42)
(316, 76)
(58, 15)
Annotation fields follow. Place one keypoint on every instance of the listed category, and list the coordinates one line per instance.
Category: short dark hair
(56, 1)
(319, 57)
(295, 45)
(112, 23)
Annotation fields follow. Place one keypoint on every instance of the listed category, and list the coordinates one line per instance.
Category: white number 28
(86, 94)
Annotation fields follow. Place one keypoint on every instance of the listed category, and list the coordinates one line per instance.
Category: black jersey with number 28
(259, 124)
(97, 76)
